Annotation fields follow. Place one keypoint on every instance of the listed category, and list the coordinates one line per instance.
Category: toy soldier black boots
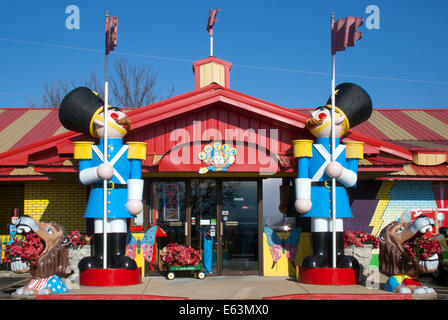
(320, 244)
(116, 253)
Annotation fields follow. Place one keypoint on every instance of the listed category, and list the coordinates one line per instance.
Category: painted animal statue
(395, 260)
(52, 263)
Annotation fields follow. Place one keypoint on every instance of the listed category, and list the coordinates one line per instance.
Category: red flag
(344, 33)
(111, 33)
(211, 20)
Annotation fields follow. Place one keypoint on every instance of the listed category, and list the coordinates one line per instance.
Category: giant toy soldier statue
(316, 170)
(82, 111)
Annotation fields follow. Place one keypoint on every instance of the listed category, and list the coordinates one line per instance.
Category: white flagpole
(333, 142)
(106, 97)
(211, 44)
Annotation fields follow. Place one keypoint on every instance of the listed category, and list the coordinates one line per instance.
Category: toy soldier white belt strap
(113, 161)
(327, 157)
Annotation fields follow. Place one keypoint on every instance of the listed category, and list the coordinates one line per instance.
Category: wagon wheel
(201, 275)
(170, 275)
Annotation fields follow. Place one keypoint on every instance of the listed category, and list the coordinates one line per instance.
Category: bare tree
(129, 86)
(94, 84)
(55, 92)
(133, 86)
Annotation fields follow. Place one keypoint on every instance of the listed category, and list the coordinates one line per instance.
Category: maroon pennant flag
(211, 20)
(344, 33)
(111, 33)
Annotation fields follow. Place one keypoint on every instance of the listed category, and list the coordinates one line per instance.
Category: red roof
(414, 129)
(22, 126)
(41, 141)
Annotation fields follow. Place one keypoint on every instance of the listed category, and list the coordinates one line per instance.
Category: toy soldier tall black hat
(353, 101)
(78, 109)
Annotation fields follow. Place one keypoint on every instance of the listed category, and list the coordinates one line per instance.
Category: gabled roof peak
(211, 70)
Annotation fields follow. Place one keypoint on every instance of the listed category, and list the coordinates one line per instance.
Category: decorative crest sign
(217, 156)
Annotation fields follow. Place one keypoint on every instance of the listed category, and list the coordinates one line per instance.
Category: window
(272, 216)
(167, 208)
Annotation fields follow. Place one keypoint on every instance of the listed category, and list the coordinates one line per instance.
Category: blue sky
(280, 50)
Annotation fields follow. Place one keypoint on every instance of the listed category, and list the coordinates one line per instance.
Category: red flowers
(178, 254)
(78, 239)
(27, 248)
(359, 239)
(421, 248)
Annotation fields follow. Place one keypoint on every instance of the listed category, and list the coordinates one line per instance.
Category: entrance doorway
(218, 217)
(240, 226)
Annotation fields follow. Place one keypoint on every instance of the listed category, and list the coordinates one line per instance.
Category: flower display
(176, 254)
(27, 248)
(79, 239)
(421, 248)
(359, 239)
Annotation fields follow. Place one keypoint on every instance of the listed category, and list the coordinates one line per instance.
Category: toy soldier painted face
(119, 124)
(319, 123)
(14, 220)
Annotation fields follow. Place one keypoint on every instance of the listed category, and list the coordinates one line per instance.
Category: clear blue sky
(280, 50)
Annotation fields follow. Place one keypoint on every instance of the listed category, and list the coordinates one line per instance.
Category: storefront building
(215, 161)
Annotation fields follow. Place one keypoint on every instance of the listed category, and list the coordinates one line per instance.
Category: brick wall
(363, 202)
(63, 202)
(375, 204)
(406, 195)
(11, 197)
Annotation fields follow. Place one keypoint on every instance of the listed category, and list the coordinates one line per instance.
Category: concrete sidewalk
(228, 288)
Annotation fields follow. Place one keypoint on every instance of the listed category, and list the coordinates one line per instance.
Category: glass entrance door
(168, 210)
(204, 222)
(217, 217)
(239, 222)
(224, 225)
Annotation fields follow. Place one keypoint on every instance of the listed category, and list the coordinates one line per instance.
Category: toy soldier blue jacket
(313, 183)
(126, 161)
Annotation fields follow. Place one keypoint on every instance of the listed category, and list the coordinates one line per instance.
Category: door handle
(186, 228)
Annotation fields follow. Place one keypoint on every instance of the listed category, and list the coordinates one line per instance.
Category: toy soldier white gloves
(347, 177)
(135, 196)
(334, 169)
(105, 171)
(303, 195)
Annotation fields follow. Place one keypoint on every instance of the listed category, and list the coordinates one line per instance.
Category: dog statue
(52, 263)
(397, 263)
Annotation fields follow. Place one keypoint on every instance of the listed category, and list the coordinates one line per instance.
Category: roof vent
(211, 70)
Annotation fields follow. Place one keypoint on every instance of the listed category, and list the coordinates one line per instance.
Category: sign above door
(217, 156)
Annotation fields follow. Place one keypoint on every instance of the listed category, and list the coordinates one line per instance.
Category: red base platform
(110, 277)
(328, 276)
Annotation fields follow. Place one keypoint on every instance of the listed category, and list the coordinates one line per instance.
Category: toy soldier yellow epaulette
(354, 150)
(302, 148)
(82, 149)
(137, 150)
